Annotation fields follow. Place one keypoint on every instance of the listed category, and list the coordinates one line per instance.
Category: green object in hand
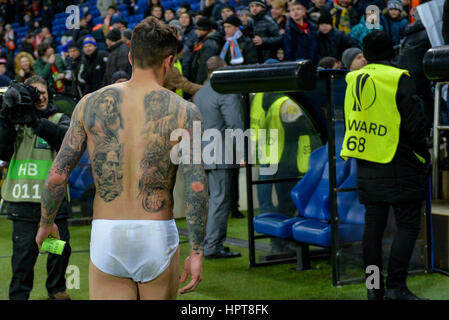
(52, 245)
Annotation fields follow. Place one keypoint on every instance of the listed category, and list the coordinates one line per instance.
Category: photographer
(31, 133)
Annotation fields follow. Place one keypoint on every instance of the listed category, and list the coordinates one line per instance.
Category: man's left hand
(45, 232)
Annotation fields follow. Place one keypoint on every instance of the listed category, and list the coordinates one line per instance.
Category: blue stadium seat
(81, 177)
(315, 228)
(274, 224)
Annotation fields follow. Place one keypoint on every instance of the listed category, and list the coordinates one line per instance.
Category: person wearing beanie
(332, 42)
(394, 21)
(314, 10)
(73, 62)
(120, 76)
(93, 66)
(208, 44)
(300, 39)
(266, 33)
(118, 23)
(386, 131)
(238, 49)
(344, 15)
(353, 59)
(118, 55)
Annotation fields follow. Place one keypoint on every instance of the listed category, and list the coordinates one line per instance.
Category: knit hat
(243, 12)
(127, 33)
(119, 75)
(259, 2)
(349, 56)
(73, 44)
(234, 20)
(114, 35)
(325, 19)
(3, 61)
(204, 24)
(377, 45)
(177, 24)
(228, 6)
(116, 19)
(394, 4)
(89, 40)
(304, 3)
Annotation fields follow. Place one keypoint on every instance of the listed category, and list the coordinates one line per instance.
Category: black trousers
(234, 189)
(408, 219)
(25, 253)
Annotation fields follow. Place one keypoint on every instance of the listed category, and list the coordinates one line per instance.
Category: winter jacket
(248, 50)
(334, 43)
(359, 32)
(176, 80)
(405, 178)
(43, 68)
(92, 70)
(415, 45)
(298, 45)
(394, 27)
(117, 60)
(206, 47)
(266, 28)
(76, 87)
(190, 38)
(50, 132)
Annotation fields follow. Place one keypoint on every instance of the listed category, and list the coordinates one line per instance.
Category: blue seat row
(311, 197)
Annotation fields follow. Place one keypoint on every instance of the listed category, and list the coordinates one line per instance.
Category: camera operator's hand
(52, 59)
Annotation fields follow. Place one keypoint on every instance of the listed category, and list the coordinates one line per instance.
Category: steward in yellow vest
(386, 132)
(296, 137)
(30, 148)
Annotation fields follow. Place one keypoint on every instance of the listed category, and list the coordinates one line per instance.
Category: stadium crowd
(80, 61)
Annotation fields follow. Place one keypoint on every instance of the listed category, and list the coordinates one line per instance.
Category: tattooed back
(128, 139)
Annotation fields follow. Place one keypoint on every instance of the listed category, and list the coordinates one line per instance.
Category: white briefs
(137, 249)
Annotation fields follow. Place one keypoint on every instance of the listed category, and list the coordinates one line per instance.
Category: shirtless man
(126, 128)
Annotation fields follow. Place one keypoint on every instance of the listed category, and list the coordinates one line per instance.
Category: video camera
(18, 103)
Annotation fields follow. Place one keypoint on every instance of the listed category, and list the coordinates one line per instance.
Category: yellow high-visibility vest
(271, 119)
(178, 66)
(372, 118)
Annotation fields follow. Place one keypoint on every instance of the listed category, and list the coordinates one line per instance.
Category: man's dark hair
(42, 48)
(152, 41)
(215, 63)
(327, 62)
(36, 79)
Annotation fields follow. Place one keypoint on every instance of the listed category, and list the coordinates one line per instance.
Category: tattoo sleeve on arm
(71, 150)
(197, 191)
